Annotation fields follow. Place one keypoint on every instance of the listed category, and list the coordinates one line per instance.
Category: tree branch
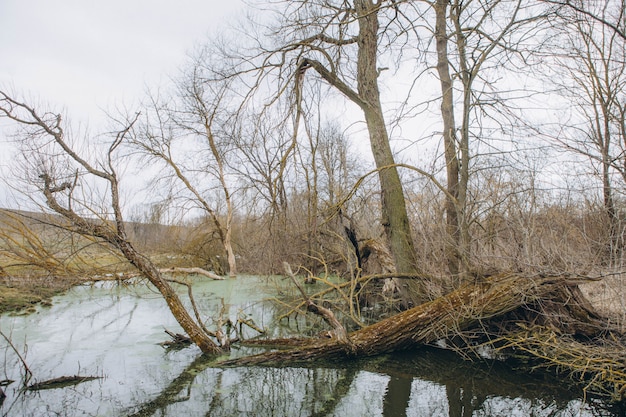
(333, 80)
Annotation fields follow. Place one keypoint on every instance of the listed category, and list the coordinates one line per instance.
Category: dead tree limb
(178, 340)
(198, 271)
(61, 382)
(179, 270)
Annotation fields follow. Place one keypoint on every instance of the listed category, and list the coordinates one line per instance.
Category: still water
(113, 332)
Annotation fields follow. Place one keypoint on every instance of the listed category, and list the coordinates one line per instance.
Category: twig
(27, 372)
(338, 330)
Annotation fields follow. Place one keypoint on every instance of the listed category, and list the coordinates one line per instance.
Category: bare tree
(592, 63)
(263, 165)
(472, 37)
(193, 115)
(337, 45)
(359, 25)
(58, 172)
(339, 166)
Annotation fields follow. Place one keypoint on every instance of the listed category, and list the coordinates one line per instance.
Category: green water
(113, 332)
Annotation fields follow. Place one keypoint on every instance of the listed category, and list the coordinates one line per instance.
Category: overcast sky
(87, 56)
(83, 55)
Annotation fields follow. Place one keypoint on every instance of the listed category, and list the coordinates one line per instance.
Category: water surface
(113, 332)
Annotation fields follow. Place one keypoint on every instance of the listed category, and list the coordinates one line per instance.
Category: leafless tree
(186, 133)
(472, 38)
(58, 172)
(592, 78)
(336, 45)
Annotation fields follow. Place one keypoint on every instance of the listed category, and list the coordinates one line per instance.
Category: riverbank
(22, 288)
(21, 295)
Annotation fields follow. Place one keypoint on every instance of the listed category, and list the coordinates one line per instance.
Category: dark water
(112, 332)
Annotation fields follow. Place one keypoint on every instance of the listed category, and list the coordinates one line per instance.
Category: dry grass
(22, 294)
(600, 369)
(608, 296)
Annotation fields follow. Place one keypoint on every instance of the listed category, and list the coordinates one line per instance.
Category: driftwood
(197, 271)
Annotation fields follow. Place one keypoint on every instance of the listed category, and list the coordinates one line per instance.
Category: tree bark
(395, 219)
(453, 255)
(442, 318)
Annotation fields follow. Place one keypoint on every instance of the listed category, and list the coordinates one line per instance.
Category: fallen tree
(489, 312)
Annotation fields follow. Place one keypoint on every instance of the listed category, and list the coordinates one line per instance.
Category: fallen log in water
(189, 271)
(60, 382)
(426, 323)
(490, 308)
(123, 276)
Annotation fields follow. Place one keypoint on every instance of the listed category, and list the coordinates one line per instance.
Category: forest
(457, 166)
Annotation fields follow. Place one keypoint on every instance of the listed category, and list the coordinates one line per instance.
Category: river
(112, 332)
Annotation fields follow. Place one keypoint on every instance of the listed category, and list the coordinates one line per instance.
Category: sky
(86, 56)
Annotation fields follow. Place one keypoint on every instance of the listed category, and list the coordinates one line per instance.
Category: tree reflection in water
(114, 332)
(201, 389)
(422, 383)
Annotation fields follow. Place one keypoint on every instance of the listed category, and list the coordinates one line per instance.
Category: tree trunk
(189, 325)
(453, 240)
(118, 240)
(395, 219)
(446, 317)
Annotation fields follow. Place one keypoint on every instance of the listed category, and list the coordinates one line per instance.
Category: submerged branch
(27, 372)
(339, 331)
(61, 382)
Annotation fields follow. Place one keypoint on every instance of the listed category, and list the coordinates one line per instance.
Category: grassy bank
(21, 295)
